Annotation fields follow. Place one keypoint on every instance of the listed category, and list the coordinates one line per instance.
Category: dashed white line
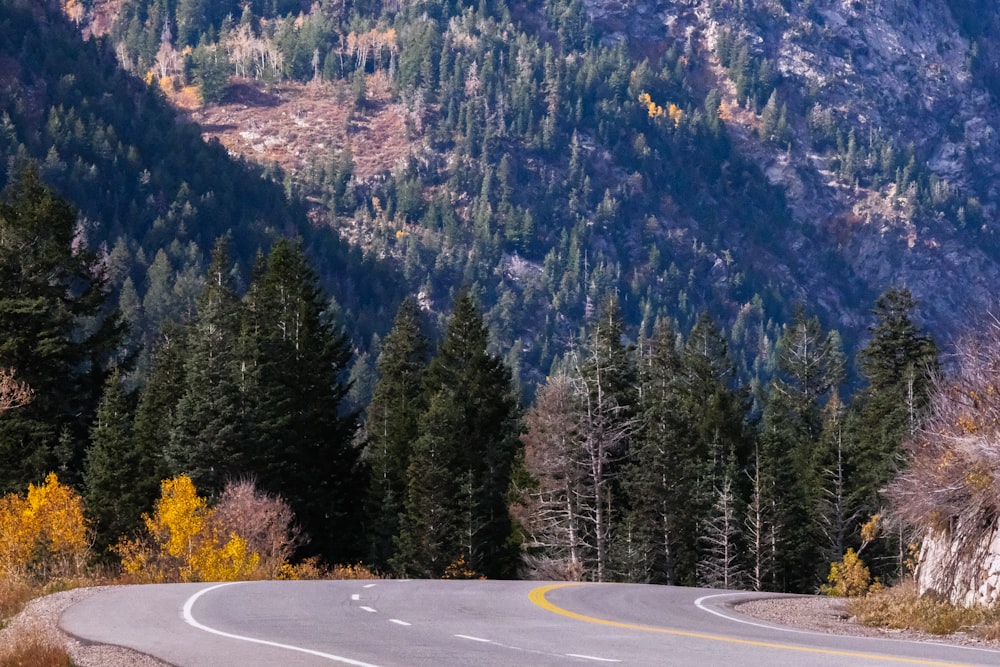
(369, 610)
(190, 620)
(475, 639)
(398, 622)
(355, 597)
(369, 585)
(590, 657)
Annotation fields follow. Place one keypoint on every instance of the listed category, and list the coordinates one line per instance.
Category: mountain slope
(735, 156)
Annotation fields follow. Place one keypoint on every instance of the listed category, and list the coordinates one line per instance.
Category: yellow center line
(537, 596)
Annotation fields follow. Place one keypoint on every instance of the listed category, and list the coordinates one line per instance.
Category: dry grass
(13, 596)
(32, 647)
(901, 608)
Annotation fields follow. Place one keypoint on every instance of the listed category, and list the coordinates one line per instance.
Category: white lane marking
(190, 620)
(355, 597)
(734, 619)
(475, 639)
(369, 610)
(591, 657)
(398, 622)
(369, 585)
(699, 603)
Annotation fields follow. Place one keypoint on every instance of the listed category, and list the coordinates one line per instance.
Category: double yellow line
(537, 596)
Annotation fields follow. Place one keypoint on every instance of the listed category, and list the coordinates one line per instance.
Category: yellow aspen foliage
(43, 534)
(675, 113)
(179, 517)
(16, 540)
(186, 540)
(850, 577)
(230, 562)
(459, 569)
(870, 531)
(652, 108)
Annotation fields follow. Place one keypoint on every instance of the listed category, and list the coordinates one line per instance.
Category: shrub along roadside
(900, 608)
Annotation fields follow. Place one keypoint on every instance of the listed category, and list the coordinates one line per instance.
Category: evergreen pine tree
(470, 428)
(899, 362)
(810, 367)
(208, 433)
(114, 470)
(56, 331)
(392, 425)
(154, 414)
(302, 443)
(660, 474)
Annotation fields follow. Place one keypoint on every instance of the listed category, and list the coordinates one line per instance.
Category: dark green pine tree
(158, 401)
(56, 331)
(303, 443)
(470, 432)
(392, 425)
(898, 362)
(662, 466)
(430, 537)
(115, 470)
(691, 412)
(810, 367)
(208, 432)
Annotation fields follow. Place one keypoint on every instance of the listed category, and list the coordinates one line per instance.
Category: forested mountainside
(735, 156)
(152, 195)
(678, 222)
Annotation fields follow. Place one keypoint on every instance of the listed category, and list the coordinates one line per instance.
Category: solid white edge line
(590, 657)
(190, 620)
(734, 619)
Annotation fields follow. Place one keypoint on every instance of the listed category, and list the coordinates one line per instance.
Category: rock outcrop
(961, 565)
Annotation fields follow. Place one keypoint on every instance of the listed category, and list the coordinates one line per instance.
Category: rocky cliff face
(902, 76)
(962, 568)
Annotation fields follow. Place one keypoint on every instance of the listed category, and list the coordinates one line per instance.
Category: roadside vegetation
(46, 547)
(901, 608)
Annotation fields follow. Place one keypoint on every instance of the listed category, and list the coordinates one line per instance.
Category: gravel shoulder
(820, 614)
(40, 618)
(830, 615)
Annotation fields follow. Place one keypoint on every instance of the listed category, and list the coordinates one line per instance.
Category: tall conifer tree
(115, 469)
(810, 367)
(208, 435)
(56, 331)
(471, 429)
(392, 425)
(302, 443)
(898, 362)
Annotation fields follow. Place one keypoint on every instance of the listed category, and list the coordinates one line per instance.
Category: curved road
(467, 623)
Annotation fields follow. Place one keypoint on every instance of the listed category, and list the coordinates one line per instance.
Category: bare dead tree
(550, 513)
(13, 393)
(951, 482)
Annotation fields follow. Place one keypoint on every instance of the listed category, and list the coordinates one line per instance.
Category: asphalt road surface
(397, 623)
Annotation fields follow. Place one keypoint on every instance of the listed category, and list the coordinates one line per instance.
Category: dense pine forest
(564, 338)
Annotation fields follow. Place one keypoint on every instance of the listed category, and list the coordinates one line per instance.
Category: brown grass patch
(296, 125)
(13, 596)
(901, 608)
(31, 647)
